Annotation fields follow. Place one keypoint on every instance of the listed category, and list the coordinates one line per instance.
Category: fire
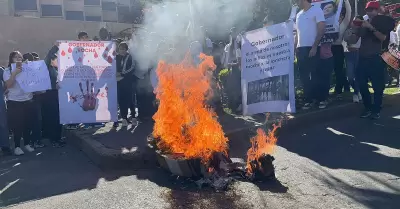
(261, 144)
(183, 123)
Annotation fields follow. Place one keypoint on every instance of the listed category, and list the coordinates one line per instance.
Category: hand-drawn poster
(332, 10)
(87, 80)
(34, 76)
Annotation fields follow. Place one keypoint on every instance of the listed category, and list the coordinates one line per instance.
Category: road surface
(351, 163)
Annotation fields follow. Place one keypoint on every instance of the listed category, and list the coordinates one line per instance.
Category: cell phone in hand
(18, 64)
(357, 22)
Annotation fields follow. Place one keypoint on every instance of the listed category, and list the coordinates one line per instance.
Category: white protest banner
(34, 76)
(87, 80)
(332, 10)
(267, 70)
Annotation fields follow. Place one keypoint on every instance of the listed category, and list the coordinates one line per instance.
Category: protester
(322, 75)
(51, 113)
(371, 66)
(387, 23)
(310, 23)
(19, 104)
(230, 61)
(350, 52)
(338, 52)
(4, 140)
(126, 83)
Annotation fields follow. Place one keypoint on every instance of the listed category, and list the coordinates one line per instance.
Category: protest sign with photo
(332, 10)
(87, 80)
(267, 70)
(34, 76)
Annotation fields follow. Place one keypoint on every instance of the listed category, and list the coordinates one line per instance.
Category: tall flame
(183, 123)
(261, 144)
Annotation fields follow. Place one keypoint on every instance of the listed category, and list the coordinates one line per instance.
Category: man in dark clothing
(371, 66)
(387, 23)
(126, 84)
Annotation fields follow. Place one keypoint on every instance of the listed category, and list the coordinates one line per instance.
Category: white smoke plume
(175, 24)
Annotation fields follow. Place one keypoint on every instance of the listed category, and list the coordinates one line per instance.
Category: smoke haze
(169, 25)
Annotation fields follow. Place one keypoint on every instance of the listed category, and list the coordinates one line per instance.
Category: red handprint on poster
(89, 97)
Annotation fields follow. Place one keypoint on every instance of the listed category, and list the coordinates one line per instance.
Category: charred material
(261, 169)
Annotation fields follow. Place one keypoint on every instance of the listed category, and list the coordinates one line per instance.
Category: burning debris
(259, 159)
(188, 139)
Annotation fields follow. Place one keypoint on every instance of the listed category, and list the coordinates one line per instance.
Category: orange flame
(183, 123)
(261, 144)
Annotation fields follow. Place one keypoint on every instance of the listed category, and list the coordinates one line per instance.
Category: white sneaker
(359, 97)
(307, 106)
(29, 148)
(322, 105)
(18, 151)
(125, 122)
(355, 98)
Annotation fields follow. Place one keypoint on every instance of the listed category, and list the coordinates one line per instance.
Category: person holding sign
(310, 29)
(19, 104)
(51, 113)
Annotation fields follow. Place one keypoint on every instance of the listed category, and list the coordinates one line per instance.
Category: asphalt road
(351, 163)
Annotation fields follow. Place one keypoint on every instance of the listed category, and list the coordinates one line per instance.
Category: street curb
(107, 158)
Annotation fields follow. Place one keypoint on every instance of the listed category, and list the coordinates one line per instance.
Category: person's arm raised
(347, 17)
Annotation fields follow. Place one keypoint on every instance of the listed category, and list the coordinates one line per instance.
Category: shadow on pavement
(273, 186)
(354, 144)
(370, 198)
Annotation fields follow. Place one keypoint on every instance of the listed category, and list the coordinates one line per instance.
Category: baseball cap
(372, 5)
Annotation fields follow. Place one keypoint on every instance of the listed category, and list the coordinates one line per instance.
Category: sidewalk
(126, 147)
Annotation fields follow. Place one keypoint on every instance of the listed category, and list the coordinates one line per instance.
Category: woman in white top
(338, 52)
(20, 107)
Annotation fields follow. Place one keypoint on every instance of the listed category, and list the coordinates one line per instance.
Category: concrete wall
(39, 34)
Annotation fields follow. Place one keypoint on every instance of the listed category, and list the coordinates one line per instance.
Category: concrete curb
(107, 158)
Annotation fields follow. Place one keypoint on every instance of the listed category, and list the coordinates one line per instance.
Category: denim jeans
(372, 69)
(322, 79)
(351, 66)
(307, 66)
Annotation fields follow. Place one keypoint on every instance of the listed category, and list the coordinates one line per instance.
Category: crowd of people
(360, 42)
(359, 45)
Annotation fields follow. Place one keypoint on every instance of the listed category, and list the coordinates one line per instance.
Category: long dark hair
(10, 58)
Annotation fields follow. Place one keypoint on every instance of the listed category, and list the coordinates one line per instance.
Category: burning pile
(183, 123)
(186, 129)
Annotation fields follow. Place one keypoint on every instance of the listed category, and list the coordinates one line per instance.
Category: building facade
(121, 11)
